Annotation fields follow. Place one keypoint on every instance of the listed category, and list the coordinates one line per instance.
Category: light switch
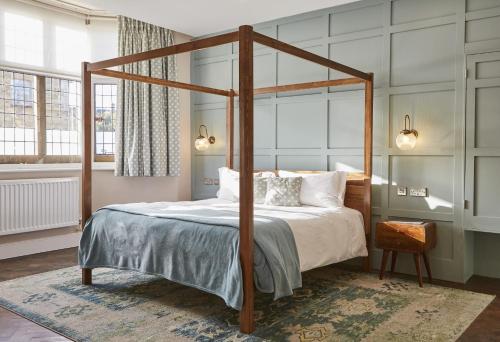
(216, 181)
(208, 181)
(401, 190)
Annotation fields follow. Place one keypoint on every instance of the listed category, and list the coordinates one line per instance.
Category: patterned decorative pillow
(283, 191)
(259, 189)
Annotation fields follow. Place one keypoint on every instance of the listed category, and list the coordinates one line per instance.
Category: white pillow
(229, 183)
(321, 189)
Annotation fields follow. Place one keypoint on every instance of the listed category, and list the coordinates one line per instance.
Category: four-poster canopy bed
(358, 188)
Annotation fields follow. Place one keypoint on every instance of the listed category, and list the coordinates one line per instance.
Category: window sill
(14, 168)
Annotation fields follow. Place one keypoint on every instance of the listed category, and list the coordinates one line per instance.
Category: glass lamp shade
(201, 143)
(406, 140)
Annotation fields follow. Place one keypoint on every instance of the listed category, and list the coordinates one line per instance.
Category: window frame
(100, 158)
(41, 157)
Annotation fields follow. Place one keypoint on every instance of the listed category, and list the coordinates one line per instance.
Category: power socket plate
(418, 192)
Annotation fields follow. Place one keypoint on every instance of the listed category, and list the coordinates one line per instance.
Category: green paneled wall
(417, 50)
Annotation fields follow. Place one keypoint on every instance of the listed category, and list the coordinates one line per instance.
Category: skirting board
(12, 246)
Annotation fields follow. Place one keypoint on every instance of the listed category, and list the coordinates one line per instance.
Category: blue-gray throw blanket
(197, 247)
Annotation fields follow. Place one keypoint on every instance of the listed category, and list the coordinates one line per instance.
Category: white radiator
(35, 204)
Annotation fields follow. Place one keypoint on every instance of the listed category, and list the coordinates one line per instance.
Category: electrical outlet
(208, 181)
(216, 181)
(418, 192)
(401, 190)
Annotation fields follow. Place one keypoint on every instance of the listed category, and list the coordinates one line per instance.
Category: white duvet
(323, 235)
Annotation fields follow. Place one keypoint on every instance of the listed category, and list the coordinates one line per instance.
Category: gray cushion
(259, 189)
(283, 191)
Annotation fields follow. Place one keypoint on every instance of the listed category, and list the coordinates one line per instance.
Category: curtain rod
(70, 9)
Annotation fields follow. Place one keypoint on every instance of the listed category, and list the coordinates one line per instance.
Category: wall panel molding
(417, 51)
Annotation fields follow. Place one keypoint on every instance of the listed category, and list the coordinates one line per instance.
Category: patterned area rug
(333, 305)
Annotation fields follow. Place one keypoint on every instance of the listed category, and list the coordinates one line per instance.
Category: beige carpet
(333, 305)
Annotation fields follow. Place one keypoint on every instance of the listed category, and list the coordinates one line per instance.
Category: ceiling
(201, 17)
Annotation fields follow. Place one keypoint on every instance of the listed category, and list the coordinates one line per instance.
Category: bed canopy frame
(358, 192)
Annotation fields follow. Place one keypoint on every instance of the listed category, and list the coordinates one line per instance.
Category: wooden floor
(17, 329)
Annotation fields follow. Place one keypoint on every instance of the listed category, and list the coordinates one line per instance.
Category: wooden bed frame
(358, 192)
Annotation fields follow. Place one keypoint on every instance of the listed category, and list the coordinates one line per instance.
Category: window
(105, 118)
(62, 103)
(35, 128)
(23, 39)
(18, 114)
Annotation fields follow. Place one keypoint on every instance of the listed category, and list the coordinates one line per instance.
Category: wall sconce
(407, 138)
(203, 141)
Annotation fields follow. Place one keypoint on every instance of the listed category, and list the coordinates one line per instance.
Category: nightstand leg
(416, 256)
(427, 267)
(385, 256)
(393, 261)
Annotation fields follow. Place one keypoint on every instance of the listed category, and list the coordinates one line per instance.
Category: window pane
(9, 148)
(18, 114)
(29, 148)
(105, 118)
(73, 149)
(63, 117)
(23, 39)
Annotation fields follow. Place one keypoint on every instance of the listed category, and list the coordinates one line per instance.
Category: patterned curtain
(147, 132)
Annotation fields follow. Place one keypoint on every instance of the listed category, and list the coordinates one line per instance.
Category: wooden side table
(408, 237)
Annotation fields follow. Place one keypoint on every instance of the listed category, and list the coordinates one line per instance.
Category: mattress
(323, 235)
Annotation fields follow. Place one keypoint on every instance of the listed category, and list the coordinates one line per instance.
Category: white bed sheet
(323, 235)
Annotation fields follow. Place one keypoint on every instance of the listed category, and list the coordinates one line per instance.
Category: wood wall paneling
(489, 69)
(475, 5)
(432, 172)
(487, 117)
(356, 20)
(301, 30)
(345, 118)
(414, 48)
(405, 11)
(485, 190)
(482, 144)
(423, 56)
(292, 69)
(431, 113)
(362, 54)
(294, 162)
(296, 121)
(482, 29)
(214, 74)
(264, 74)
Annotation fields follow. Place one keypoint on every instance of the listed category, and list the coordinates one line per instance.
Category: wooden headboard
(358, 196)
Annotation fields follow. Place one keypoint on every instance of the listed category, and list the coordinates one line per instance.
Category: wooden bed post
(368, 164)
(86, 195)
(247, 324)
(230, 130)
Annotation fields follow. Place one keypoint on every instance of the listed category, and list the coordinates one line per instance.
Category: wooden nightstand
(408, 237)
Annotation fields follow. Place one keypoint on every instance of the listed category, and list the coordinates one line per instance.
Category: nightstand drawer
(395, 235)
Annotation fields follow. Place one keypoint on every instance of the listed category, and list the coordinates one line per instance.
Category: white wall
(107, 188)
